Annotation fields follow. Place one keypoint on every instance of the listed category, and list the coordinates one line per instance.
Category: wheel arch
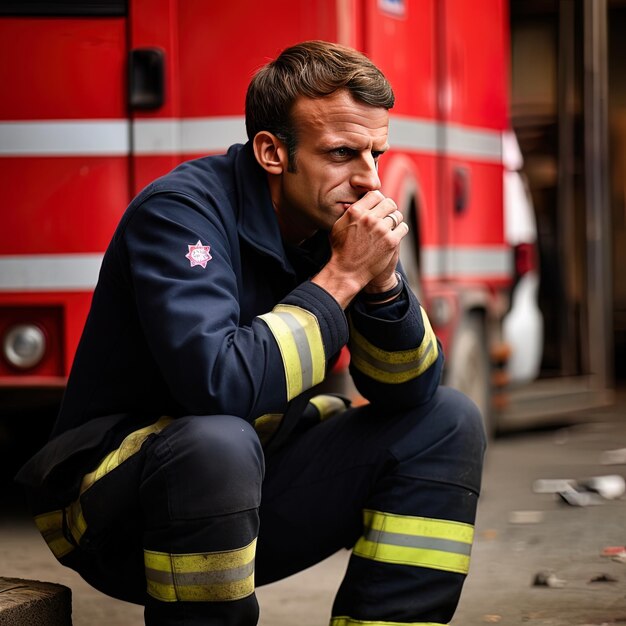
(402, 183)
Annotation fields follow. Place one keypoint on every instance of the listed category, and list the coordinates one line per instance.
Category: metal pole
(566, 200)
(598, 216)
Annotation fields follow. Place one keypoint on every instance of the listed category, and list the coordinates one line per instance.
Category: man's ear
(270, 152)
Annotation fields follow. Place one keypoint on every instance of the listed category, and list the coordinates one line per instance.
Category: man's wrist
(391, 283)
(383, 297)
(337, 285)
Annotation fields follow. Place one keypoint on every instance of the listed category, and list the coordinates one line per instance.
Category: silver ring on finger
(394, 219)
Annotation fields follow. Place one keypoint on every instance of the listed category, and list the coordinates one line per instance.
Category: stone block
(34, 603)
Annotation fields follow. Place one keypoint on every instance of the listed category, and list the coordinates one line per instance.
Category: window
(69, 8)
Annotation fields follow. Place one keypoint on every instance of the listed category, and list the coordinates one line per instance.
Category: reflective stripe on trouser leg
(50, 526)
(414, 542)
(201, 577)
(417, 541)
(186, 496)
(54, 524)
(201, 490)
(407, 569)
(411, 560)
(347, 621)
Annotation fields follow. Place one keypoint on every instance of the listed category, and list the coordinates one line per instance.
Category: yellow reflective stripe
(328, 406)
(50, 525)
(394, 367)
(429, 337)
(75, 520)
(348, 621)
(419, 541)
(201, 577)
(266, 425)
(131, 444)
(299, 340)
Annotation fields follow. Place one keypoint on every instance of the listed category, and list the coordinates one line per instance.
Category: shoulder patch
(198, 254)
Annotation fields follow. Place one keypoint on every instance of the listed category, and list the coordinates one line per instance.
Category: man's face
(339, 143)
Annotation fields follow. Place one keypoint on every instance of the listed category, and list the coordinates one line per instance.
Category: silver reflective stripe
(416, 541)
(49, 272)
(201, 577)
(234, 574)
(302, 345)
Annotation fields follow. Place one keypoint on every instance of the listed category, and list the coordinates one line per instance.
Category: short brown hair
(313, 69)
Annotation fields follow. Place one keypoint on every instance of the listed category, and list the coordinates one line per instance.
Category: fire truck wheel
(409, 250)
(468, 368)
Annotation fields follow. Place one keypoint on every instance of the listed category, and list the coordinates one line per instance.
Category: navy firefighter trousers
(186, 516)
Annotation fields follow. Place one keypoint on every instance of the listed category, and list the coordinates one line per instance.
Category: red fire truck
(102, 96)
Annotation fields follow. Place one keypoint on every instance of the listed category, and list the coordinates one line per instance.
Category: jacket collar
(256, 222)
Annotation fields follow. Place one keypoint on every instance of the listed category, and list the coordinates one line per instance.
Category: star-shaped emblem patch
(198, 254)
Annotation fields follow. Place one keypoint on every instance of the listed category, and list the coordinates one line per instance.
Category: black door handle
(146, 79)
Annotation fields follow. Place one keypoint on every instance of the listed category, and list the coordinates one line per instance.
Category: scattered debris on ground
(616, 553)
(526, 517)
(613, 457)
(548, 579)
(584, 491)
(603, 578)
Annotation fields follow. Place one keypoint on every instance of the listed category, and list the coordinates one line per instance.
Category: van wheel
(468, 368)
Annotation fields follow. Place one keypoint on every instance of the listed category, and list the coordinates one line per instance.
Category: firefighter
(194, 455)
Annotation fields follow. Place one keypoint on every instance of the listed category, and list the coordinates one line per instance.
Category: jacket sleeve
(189, 312)
(395, 357)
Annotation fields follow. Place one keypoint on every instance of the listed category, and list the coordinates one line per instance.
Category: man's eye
(341, 152)
(377, 154)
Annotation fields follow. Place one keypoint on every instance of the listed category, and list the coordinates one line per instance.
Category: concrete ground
(519, 534)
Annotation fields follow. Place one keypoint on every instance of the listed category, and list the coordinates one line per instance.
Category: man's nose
(365, 176)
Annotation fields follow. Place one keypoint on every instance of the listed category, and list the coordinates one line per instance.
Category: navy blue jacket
(201, 308)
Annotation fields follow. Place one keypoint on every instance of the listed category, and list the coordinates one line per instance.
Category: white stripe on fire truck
(113, 137)
(191, 136)
(77, 272)
(465, 261)
(65, 138)
(406, 133)
(207, 135)
(216, 135)
(49, 272)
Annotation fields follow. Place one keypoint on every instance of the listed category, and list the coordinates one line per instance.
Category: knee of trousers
(445, 442)
(208, 465)
(459, 417)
